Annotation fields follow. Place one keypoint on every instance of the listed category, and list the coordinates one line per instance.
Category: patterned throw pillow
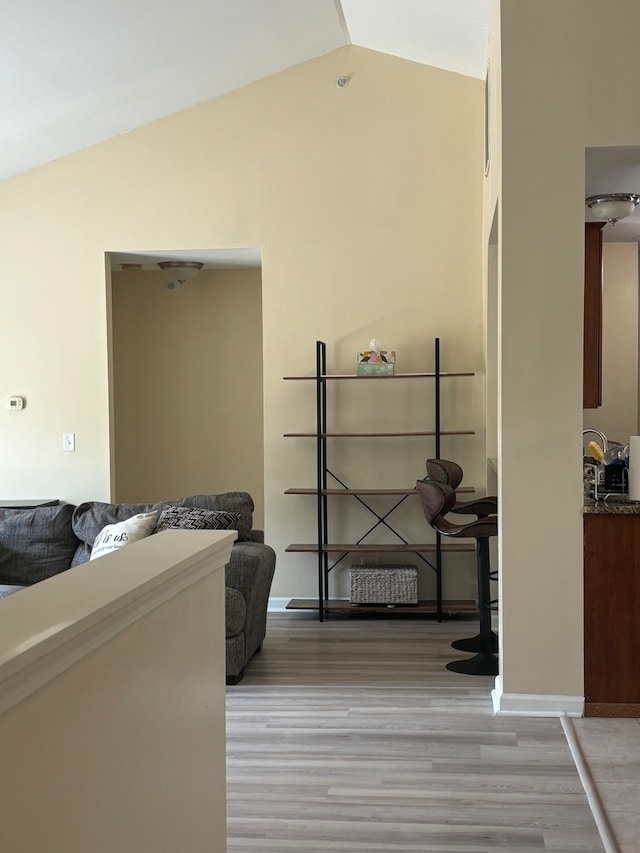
(191, 518)
(114, 536)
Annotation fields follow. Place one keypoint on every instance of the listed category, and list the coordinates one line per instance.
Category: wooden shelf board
(300, 491)
(398, 548)
(394, 376)
(375, 434)
(344, 605)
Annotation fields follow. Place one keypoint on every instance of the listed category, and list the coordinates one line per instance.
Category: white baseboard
(278, 605)
(535, 704)
(496, 694)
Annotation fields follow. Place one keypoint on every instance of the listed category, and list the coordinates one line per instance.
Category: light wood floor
(351, 736)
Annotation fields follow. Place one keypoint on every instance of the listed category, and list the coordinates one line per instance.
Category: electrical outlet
(68, 441)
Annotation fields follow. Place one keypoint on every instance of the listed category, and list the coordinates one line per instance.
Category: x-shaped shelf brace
(382, 519)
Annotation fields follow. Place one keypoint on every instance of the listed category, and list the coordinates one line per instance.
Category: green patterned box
(374, 368)
(376, 362)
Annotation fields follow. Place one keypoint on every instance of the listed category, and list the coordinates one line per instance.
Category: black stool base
(481, 664)
(474, 644)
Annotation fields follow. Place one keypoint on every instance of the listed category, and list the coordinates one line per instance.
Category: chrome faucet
(601, 435)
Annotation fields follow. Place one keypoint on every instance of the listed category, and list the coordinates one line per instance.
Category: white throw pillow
(114, 536)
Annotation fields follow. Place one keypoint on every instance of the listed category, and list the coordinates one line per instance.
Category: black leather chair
(438, 499)
(450, 473)
(445, 471)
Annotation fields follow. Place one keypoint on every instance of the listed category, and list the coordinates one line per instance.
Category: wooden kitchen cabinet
(592, 346)
(612, 614)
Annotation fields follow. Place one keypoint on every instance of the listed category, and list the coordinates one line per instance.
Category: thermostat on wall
(15, 403)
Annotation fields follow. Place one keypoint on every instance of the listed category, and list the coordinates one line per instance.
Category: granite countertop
(617, 506)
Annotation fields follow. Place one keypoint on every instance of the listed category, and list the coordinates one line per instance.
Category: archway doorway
(186, 376)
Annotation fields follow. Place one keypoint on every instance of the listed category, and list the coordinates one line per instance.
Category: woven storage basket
(384, 585)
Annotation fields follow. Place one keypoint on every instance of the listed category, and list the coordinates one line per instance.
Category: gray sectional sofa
(36, 544)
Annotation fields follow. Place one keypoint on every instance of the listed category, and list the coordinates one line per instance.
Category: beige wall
(188, 385)
(618, 415)
(556, 101)
(353, 196)
(112, 710)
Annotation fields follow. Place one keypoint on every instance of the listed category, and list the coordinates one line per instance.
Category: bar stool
(445, 471)
(437, 500)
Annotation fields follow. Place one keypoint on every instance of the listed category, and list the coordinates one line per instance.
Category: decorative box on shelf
(384, 585)
(376, 362)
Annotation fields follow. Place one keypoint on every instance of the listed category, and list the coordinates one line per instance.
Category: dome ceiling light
(612, 206)
(180, 271)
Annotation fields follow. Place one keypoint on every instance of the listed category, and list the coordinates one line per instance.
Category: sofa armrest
(257, 535)
(250, 571)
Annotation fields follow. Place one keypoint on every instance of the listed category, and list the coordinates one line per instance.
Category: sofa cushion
(35, 543)
(235, 611)
(115, 536)
(90, 517)
(192, 518)
(240, 502)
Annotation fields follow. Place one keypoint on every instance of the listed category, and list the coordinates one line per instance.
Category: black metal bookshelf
(329, 485)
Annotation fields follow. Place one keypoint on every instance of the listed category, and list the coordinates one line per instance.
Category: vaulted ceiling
(76, 72)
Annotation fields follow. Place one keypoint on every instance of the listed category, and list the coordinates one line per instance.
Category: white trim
(277, 605)
(343, 22)
(496, 694)
(535, 704)
(595, 804)
(53, 624)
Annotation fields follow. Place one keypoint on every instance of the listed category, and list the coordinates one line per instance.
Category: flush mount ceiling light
(180, 271)
(612, 206)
